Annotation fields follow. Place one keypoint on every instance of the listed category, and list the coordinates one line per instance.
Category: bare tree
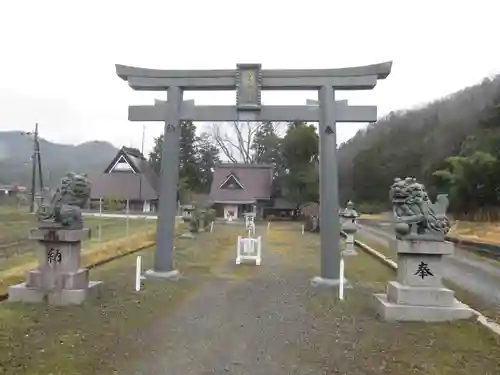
(235, 139)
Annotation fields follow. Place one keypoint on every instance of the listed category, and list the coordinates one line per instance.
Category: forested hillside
(57, 159)
(452, 145)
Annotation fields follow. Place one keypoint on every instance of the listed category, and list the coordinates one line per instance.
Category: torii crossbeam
(248, 80)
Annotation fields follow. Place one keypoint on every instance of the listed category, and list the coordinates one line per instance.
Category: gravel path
(237, 327)
(478, 277)
(268, 320)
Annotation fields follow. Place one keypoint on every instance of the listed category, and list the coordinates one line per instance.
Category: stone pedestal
(418, 294)
(349, 228)
(186, 228)
(59, 278)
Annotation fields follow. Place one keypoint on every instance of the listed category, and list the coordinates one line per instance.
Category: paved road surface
(478, 277)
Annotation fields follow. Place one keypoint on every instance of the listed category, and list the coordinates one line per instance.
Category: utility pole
(36, 161)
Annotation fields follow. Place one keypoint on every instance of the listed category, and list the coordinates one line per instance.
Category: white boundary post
(268, 226)
(238, 245)
(259, 250)
(211, 227)
(99, 230)
(126, 219)
(302, 229)
(138, 274)
(341, 281)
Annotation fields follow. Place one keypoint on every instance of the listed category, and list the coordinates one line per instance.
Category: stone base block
(34, 279)
(23, 293)
(420, 296)
(70, 280)
(170, 275)
(319, 281)
(75, 296)
(349, 252)
(413, 313)
(76, 280)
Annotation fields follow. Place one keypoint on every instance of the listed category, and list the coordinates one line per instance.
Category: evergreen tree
(208, 157)
(300, 155)
(197, 158)
(188, 169)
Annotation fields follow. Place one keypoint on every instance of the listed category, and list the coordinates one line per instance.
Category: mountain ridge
(16, 149)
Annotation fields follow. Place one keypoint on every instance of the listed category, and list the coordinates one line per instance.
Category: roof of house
(128, 176)
(254, 180)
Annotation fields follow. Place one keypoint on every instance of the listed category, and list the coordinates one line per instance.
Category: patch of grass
(387, 251)
(97, 336)
(347, 335)
(372, 217)
(360, 270)
(491, 312)
(376, 347)
(282, 236)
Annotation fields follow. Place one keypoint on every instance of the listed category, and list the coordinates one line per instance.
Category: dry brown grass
(372, 217)
(487, 232)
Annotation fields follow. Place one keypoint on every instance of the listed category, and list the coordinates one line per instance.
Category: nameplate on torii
(310, 112)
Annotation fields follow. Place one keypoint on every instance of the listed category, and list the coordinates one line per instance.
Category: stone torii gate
(248, 80)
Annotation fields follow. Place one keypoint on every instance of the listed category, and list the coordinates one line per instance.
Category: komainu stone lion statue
(416, 217)
(64, 209)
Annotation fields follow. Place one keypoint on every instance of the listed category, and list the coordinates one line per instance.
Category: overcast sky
(57, 57)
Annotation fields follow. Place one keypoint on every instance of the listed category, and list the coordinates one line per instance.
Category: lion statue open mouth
(416, 217)
(64, 209)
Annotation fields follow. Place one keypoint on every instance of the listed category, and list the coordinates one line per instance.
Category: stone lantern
(349, 227)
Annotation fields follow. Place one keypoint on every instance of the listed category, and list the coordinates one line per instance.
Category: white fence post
(259, 251)
(341, 281)
(211, 227)
(126, 219)
(138, 274)
(238, 247)
(99, 228)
